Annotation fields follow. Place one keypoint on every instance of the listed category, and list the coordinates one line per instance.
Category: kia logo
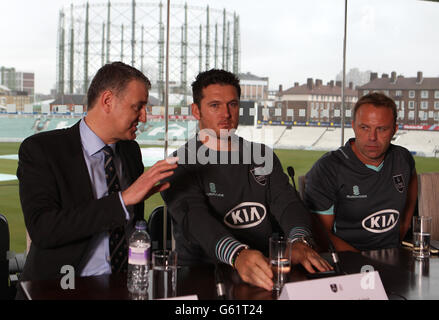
(381, 221)
(245, 215)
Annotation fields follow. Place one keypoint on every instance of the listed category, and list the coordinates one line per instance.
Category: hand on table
(308, 258)
(254, 268)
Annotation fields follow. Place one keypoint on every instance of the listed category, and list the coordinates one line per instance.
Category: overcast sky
(285, 40)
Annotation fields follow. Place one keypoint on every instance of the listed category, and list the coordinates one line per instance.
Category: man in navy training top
(365, 192)
(225, 201)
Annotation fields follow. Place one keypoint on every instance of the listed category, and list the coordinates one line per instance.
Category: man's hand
(254, 268)
(149, 182)
(308, 258)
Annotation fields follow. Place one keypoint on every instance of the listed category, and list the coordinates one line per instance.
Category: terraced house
(416, 98)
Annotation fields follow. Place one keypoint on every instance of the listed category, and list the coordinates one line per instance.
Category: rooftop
(318, 88)
(4, 88)
(250, 76)
(78, 99)
(400, 82)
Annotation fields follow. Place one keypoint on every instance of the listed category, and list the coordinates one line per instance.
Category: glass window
(424, 94)
(400, 115)
(436, 105)
(424, 105)
(436, 94)
(156, 111)
(412, 94)
(411, 104)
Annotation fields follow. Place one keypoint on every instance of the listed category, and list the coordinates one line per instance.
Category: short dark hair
(113, 76)
(378, 100)
(213, 76)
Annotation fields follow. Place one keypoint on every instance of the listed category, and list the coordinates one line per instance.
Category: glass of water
(280, 260)
(164, 274)
(421, 237)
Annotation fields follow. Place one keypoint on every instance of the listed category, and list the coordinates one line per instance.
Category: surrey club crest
(398, 182)
(259, 175)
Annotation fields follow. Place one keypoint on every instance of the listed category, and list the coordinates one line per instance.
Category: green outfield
(10, 203)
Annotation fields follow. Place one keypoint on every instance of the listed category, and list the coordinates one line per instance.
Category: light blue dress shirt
(97, 261)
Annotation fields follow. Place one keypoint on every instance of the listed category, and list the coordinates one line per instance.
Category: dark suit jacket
(60, 212)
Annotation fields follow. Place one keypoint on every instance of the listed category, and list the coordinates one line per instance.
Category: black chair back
(155, 229)
(4, 261)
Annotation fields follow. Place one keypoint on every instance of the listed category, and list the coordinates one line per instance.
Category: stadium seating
(60, 123)
(331, 139)
(16, 128)
(154, 131)
(300, 137)
(422, 143)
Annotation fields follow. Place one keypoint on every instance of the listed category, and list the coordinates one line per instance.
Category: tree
(354, 75)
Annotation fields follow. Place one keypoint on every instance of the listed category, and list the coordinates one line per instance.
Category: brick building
(77, 103)
(66, 103)
(11, 97)
(312, 102)
(416, 98)
(253, 88)
(18, 80)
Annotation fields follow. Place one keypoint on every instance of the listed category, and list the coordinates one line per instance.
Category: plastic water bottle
(138, 260)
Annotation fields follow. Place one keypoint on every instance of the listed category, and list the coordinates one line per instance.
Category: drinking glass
(421, 237)
(280, 260)
(164, 274)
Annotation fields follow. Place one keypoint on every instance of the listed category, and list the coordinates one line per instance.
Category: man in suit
(71, 209)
